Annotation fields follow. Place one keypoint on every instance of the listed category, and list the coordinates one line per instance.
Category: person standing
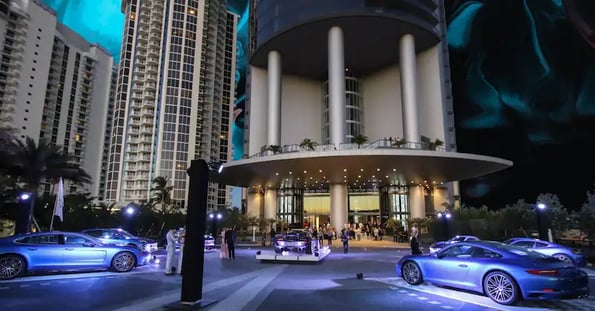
(415, 250)
(229, 240)
(223, 253)
(181, 238)
(170, 248)
(345, 240)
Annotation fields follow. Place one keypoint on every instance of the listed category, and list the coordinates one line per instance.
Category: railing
(377, 144)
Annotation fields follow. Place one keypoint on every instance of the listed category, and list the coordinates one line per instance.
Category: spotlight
(25, 196)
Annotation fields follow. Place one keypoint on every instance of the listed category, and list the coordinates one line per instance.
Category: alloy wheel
(501, 288)
(11, 267)
(411, 273)
(123, 262)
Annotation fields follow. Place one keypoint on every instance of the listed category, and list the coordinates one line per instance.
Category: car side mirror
(439, 255)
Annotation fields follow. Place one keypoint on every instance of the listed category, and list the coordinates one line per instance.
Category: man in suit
(229, 240)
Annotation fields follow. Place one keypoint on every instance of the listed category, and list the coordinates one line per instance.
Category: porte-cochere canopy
(359, 167)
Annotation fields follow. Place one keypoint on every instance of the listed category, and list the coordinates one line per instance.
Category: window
(40, 239)
(480, 252)
(458, 251)
(526, 244)
(75, 239)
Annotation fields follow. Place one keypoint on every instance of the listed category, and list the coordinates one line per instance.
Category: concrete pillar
(409, 88)
(417, 202)
(270, 204)
(336, 86)
(274, 99)
(338, 206)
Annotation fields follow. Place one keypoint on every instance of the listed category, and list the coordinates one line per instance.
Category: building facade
(55, 86)
(174, 97)
(349, 114)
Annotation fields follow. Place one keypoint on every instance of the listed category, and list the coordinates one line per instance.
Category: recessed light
(344, 170)
(359, 176)
(290, 173)
(377, 170)
(277, 174)
(319, 171)
(362, 170)
(394, 169)
(305, 172)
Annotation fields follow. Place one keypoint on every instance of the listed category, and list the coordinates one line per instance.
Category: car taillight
(544, 272)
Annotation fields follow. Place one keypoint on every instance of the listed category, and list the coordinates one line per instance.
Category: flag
(59, 204)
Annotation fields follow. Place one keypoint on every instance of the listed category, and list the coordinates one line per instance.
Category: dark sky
(524, 90)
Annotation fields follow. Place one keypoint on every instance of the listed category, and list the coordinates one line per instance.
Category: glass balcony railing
(377, 144)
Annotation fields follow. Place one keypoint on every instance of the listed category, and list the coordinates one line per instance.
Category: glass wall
(354, 109)
(290, 204)
(398, 204)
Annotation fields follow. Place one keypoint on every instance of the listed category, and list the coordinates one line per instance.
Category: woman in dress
(223, 252)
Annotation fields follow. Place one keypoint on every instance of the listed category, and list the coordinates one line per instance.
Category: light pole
(215, 217)
(445, 218)
(540, 207)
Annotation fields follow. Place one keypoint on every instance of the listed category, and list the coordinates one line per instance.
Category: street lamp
(215, 217)
(538, 211)
(130, 210)
(445, 217)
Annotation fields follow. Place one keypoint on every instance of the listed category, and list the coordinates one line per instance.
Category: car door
(43, 251)
(450, 266)
(80, 251)
(480, 257)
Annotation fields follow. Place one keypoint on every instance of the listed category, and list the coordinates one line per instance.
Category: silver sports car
(64, 251)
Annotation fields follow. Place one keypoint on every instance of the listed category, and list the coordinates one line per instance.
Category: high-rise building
(55, 86)
(174, 96)
(349, 115)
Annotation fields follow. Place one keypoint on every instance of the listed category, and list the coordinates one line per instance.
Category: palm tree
(359, 139)
(308, 144)
(33, 163)
(161, 194)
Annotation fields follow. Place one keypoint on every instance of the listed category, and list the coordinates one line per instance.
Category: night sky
(524, 90)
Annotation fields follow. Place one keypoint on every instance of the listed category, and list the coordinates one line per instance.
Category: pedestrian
(230, 241)
(272, 234)
(181, 238)
(170, 248)
(345, 240)
(223, 254)
(415, 242)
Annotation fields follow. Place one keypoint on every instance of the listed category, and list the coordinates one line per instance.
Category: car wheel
(565, 258)
(123, 262)
(501, 288)
(12, 266)
(411, 273)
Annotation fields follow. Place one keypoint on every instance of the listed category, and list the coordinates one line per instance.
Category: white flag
(59, 205)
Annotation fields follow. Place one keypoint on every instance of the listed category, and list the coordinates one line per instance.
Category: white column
(408, 88)
(417, 202)
(338, 206)
(270, 204)
(336, 86)
(456, 193)
(274, 98)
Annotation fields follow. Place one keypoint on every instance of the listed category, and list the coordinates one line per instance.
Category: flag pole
(52, 220)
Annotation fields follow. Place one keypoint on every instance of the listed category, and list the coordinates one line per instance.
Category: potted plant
(359, 139)
(308, 144)
(274, 148)
(400, 142)
(436, 143)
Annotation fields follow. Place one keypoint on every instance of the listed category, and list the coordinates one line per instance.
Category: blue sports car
(506, 274)
(68, 251)
(558, 251)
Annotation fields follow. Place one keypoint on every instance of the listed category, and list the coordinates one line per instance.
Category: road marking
(422, 298)
(174, 295)
(45, 283)
(26, 285)
(455, 295)
(241, 298)
(447, 307)
(412, 294)
(434, 302)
